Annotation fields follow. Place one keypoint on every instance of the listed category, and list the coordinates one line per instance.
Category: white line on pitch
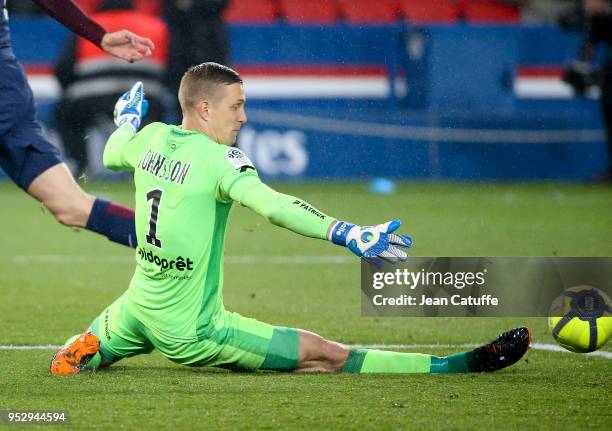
(245, 260)
(534, 346)
(41, 347)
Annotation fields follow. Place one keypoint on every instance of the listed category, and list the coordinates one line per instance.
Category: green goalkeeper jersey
(185, 187)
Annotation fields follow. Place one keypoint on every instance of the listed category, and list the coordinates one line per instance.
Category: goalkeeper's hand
(131, 107)
(374, 244)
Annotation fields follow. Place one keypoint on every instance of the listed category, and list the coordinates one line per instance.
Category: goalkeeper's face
(226, 113)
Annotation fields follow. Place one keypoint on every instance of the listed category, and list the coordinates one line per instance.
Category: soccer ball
(581, 319)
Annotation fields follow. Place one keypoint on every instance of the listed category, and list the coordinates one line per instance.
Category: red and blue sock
(115, 222)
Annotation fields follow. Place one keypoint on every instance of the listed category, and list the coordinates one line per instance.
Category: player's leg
(114, 335)
(35, 165)
(57, 190)
(237, 343)
(240, 343)
(318, 354)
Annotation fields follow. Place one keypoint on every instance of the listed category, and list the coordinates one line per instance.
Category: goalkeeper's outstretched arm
(373, 243)
(281, 209)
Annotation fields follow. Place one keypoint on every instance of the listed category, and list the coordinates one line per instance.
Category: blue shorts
(25, 152)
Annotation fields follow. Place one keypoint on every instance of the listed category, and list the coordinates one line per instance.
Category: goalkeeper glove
(372, 243)
(131, 107)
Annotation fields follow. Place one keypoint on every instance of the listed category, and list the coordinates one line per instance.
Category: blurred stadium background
(431, 94)
(408, 89)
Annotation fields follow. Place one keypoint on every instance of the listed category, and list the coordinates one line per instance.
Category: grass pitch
(54, 281)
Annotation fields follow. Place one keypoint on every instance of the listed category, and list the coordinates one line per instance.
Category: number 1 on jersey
(154, 195)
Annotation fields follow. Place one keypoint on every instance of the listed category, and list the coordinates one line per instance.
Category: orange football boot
(73, 358)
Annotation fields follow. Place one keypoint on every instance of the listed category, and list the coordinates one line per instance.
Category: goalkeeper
(187, 178)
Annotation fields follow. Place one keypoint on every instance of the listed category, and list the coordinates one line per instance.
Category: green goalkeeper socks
(380, 361)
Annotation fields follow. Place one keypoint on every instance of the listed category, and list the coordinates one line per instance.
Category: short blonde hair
(202, 81)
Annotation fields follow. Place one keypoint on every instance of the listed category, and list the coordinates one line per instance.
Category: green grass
(44, 301)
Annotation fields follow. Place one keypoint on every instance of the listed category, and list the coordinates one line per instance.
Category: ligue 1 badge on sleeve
(240, 160)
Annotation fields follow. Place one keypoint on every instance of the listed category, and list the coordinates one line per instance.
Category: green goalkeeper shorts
(233, 342)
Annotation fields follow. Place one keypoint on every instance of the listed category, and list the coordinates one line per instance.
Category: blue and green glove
(375, 244)
(131, 107)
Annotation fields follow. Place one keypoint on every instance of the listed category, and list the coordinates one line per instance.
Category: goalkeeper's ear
(203, 109)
